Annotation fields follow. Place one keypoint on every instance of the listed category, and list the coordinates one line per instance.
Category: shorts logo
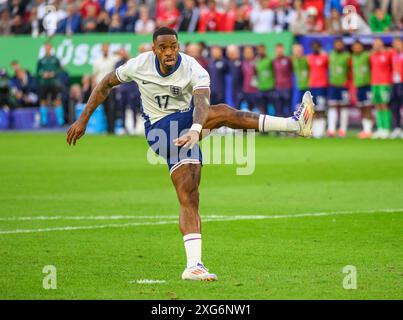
(176, 91)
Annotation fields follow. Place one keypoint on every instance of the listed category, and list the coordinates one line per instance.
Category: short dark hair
(164, 31)
(317, 42)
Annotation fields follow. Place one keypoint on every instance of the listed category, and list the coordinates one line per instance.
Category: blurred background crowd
(143, 16)
(351, 76)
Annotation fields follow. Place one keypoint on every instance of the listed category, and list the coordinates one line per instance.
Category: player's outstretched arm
(201, 100)
(98, 95)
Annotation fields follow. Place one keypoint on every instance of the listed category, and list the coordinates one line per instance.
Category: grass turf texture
(290, 258)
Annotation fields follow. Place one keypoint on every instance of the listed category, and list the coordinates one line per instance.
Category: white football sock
(318, 127)
(367, 125)
(332, 119)
(344, 114)
(270, 123)
(193, 246)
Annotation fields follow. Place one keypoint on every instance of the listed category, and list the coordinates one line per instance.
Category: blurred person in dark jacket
(217, 68)
(25, 88)
(72, 23)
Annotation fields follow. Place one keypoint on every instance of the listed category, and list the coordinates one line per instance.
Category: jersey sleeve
(126, 72)
(200, 77)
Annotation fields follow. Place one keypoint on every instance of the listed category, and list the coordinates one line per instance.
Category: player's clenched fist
(76, 131)
(188, 140)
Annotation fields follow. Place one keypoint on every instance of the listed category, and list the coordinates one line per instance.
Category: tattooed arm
(201, 99)
(98, 95)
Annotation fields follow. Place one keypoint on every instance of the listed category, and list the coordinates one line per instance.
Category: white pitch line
(206, 219)
(147, 281)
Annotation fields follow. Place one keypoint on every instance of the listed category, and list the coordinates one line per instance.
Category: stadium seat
(97, 123)
(4, 119)
(26, 118)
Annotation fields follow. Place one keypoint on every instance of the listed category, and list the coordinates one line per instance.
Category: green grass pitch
(288, 257)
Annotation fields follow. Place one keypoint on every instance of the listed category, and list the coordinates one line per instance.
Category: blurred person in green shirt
(265, 78)
(380, 21)
(338, 95)
(301, 69)
(362, 82)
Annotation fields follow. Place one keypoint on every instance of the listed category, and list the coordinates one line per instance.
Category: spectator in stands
(17, 8)
(362, 82)
(24, 86)
(217, 68)
(396, 99)
(318, 70)
(381, 80)
(301, 69)
(314, 21)
(48, 69)
(211, 19)
(397, 13)
(7, 100)
(90, 23)
(120, 8)
(86, 6)
(18, 26)
(53, 17)
(35, 24)
(249, 87)
(333, 23)
(298, 19)
(127, 98)
(5, 23)
(168, 16)
(354, 24)
(235, 72)
(380, 21)
(262, 17)
(101, 67)
(144, 24)
(129, 20)
(241, 18)
(331, 5)
(338, 94)
(72, 23)
(101, 22)
(189, 18)
(282, 66)
(41, 6)
(230, 16)
(116, 23)
(282, 15)
(3, 5)
(265, 79)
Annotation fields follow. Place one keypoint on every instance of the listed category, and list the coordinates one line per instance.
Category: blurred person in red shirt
(318, 63)
(315, 22)
(168, 16)
(84, 8)
(211, 19)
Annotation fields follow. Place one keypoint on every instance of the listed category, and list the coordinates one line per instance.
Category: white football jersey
(162, 94)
